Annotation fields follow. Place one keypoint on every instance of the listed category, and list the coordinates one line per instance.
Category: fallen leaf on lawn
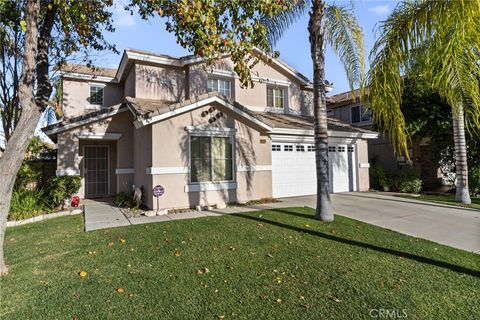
(110, 244)
(232, 248)
(269, 255)
(122, 241)
(92, 252)
(220, 317)
(307, 226)
(130, 295)
(279, 300)
(260, 225)
(75, 317)
(82, 274)
(336, 299)
(333, 231)
(120, 290)
(178, 253)
(302, 298)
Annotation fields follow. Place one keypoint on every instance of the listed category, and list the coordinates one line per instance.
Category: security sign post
(158, 191)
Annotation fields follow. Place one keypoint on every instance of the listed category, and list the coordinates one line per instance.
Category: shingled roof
(290, 121)
(83, 69)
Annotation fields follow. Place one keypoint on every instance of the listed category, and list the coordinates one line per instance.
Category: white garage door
(294, 174)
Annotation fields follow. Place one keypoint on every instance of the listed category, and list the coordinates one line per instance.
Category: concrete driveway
(448, 225)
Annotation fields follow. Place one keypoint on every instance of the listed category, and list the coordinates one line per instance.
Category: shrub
(61, 188)
(409, 183)
(474, 181)
(124, 200)
(27, 203)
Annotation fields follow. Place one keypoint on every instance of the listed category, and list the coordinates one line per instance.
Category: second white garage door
(293, 169)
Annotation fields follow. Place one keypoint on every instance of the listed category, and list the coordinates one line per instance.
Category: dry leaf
(279, 300)
(120, 290)
(232, 248)
(307, 226)
(221, 317)
(178, 253)
(82, 274)
(122, 241)
(110, 244)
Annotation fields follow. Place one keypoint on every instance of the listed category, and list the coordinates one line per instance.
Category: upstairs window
(96, 95)
(223, 86)
(275, 98)
(360, 114)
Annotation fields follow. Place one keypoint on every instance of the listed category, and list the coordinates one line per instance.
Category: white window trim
(284, 108)
(210, 131)
(210, 186)
(223, 78)
(93, 106)
(361, 122)
(232, 138)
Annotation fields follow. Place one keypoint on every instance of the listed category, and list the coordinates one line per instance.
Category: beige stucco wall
(299, 99)
(70, 149)
(77, 92)
(129, 84)
(158, 82)
(142, 159)
(170, 142)
(363, 173)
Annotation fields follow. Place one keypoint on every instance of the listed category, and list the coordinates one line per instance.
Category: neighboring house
(380, 151)
(160, 120)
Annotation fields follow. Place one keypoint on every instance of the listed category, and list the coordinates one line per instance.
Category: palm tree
(336, 26)
(437, 40)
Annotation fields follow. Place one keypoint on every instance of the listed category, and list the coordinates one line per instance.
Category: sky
(133, 32)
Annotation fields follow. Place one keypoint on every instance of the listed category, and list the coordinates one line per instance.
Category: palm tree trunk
(462, 195)
(17, 145)
(316, 29)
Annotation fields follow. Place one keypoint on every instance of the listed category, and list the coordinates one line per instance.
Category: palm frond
(344, 34)
(434, 39)
(278, 24)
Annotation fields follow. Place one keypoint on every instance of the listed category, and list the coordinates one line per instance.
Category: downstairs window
(211, 159)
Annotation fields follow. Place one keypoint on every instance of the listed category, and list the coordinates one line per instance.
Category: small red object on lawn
(75, 201)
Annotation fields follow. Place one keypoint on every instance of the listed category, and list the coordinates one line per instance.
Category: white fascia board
(87, 77)
(195, 105)
(85, 121)
(154, 59)
(166, 170)
(331, 133)
(99, 136)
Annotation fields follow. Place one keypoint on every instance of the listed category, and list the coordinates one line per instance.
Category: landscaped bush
(61, 188)
(122, 199)
(409, 183)
(474, 181)
(27, 203)
(406, 183)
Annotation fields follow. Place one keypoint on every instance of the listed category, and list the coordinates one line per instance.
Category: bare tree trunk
(316, 29)
(462, 195)
(17, 145)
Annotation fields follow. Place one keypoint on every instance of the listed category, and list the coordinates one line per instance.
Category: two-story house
(161, 120)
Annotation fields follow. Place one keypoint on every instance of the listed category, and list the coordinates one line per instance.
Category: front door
(96, 171)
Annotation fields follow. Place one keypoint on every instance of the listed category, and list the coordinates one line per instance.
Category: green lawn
(445, 199)
(278, 264)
